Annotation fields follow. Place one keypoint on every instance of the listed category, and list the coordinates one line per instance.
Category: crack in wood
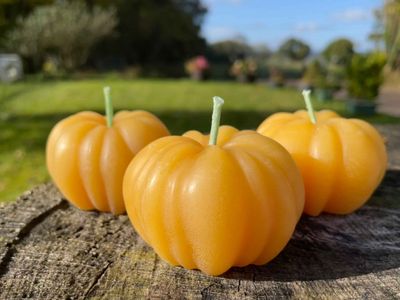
(96, 280)
(239, 283)
(155, 263)
(204, 292)
(24, 232)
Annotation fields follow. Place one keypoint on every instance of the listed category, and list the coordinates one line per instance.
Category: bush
(230, 50)
(364, 75)
(295, 49)
(289, 69)
(197, 67)
(316, 75)
(339, 52)
(65, 30)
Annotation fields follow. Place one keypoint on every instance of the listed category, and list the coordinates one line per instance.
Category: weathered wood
(392, 135)
(51, 250)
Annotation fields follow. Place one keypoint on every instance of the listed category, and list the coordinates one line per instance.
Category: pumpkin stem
(310, 108)
(215, 120)
(108, 105)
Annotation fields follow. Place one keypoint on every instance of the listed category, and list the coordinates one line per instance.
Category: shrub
(244, 69)
(197, 67)
(295, 49)
(339, 52)
(316, 75)
(66, 30)
(364, 75)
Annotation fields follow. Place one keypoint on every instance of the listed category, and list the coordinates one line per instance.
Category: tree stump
(51, 250)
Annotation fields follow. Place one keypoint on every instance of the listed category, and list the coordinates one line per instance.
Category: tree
(10, 10)
(387, 30)
(339, 52)
(377, 34)
(229, 50)
(262, 52)
(364, 75)
(157, 32)
(295, 49)
(67, 30)
(315, 74)
(150, 33)
(391, 14)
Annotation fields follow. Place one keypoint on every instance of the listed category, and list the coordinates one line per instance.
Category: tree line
(158, 36)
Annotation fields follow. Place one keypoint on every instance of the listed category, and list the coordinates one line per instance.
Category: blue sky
(271, 22)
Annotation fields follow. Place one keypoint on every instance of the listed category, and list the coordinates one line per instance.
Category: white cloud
(220, 33)
(210, 3)
(306, 27)
(352, 15)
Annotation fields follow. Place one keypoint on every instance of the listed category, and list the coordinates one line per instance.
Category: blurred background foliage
(155, 38)
(386, 33)
(65, 32)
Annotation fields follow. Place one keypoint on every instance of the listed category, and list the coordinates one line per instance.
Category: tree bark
(51, 250)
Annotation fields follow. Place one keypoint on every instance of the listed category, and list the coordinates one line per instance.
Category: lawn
(28, 111)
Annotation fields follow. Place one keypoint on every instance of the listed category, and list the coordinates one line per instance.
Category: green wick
(310, 109)
(216, 118)
(108, 105)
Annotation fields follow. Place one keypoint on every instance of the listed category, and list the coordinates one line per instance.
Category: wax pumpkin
(342, 160)
(87, 160)
(212, 207)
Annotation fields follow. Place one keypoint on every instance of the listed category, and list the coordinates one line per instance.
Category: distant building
(11, 68)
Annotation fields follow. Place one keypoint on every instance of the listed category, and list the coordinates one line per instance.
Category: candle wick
(215, 120)
(108, 105)
(310, 108)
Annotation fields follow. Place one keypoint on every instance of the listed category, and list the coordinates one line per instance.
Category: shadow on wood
(331, 246)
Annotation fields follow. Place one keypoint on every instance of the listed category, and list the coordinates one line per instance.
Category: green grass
(28, 111)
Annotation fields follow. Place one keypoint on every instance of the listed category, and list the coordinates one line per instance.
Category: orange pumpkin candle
(87, 154)
(342, 160)
(232, 202)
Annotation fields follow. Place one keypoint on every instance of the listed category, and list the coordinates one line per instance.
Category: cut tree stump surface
(51, 250)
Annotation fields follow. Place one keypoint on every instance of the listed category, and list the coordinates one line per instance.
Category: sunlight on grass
(72, 96)
(20, 170)
(28, 111)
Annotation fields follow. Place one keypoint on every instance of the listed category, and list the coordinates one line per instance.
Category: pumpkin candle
(232, 199)
(87, 154)
(342, 160)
